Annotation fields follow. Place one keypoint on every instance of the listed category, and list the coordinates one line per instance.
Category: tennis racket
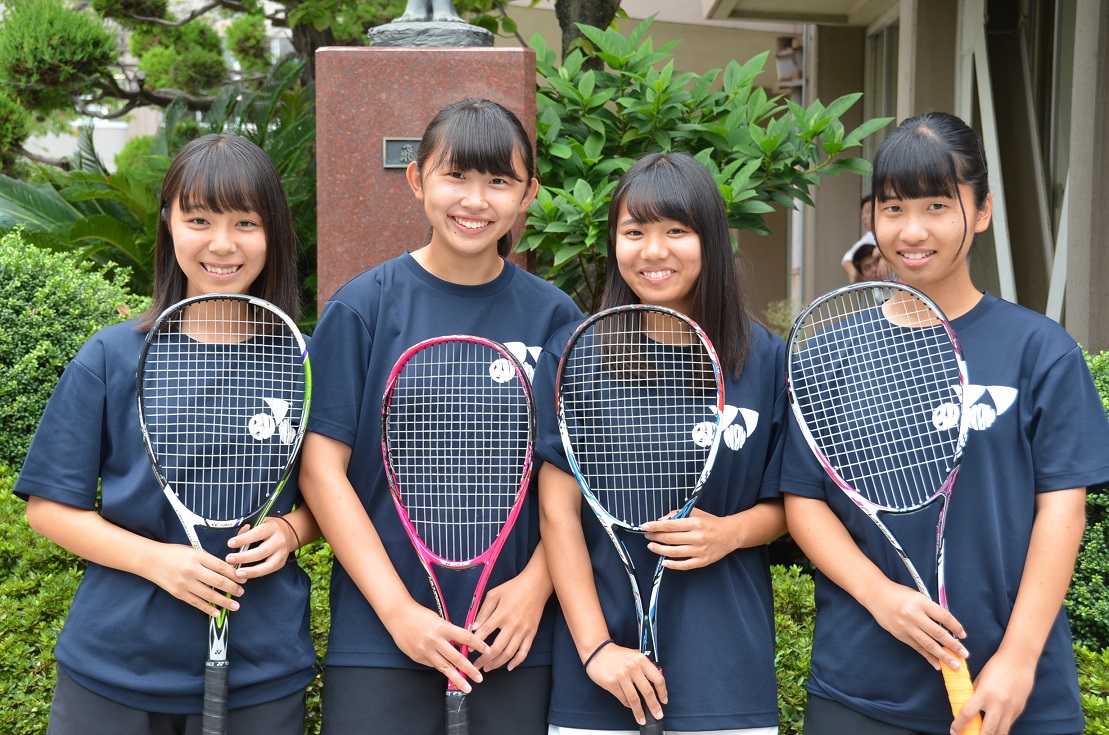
(457, 433)
(224, 387)
(879, 389)
(640, 397)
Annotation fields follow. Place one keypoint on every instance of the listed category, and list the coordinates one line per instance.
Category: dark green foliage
(247, 42)
(43, 73)
(1087, 601)
(37, 583)
(125, 11)
(49, 305)
(794, 615)
(1093, 684)
(592, 125)
(316, 559)
(192, 60)
(15, 123)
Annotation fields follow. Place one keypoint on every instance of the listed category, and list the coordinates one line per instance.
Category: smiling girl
(671, 247)
(1037, 443)
(131, 654)
(389, 651)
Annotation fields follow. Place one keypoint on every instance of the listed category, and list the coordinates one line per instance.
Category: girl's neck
(955, 296)
(464, 270)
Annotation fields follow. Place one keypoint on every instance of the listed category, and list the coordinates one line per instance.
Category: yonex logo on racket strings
(263, 425)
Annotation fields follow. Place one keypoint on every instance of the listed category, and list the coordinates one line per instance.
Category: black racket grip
(651, 726)
(458, 713)
(215, 699)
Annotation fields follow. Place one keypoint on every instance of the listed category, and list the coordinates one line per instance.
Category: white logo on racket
(735, 435)
(264, 425)
(979, 415)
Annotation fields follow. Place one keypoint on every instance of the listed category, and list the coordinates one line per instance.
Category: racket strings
(223, 391)
(880, 397)
(458, 430)
(639, 409)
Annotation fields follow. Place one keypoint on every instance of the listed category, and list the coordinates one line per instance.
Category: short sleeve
(340, 354)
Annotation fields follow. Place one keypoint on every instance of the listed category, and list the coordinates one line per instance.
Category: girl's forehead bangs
(221, 184)
(915, 168)
(655, 197)
(467, 144)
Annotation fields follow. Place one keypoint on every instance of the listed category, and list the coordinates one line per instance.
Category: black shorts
(411, 701)
(77, 711)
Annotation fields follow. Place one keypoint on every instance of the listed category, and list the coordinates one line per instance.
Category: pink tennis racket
(457, 434)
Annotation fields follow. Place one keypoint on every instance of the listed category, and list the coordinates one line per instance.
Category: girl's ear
(529, 196)
(984, 215)
(415, 181)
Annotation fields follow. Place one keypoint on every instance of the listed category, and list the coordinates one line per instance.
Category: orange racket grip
(959, 690)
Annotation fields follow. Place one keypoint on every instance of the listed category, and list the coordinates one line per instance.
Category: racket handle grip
(215, 699)
(959, 690)
(458, 713)
(650, 726)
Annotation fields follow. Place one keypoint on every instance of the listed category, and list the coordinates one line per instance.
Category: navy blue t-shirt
(716, 623)
(1037, 425)
(125, 638)
(364, 328)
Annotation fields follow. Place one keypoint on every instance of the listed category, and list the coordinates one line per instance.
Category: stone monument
(372, 105)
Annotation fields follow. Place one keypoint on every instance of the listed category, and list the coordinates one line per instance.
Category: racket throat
(217, 638)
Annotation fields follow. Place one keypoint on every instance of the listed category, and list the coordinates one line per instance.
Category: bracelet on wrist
(596, 650)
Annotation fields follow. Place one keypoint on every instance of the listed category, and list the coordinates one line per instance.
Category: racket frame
(957, 682)
(456, 707)
(216, 665)
(646, 619)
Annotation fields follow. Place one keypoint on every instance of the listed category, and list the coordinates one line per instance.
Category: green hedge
(49, 305)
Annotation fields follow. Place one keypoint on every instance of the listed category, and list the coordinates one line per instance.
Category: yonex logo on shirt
(981, 413)
(735, 435)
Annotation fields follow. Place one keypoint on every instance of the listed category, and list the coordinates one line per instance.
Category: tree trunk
(306, 39)
(596, 13)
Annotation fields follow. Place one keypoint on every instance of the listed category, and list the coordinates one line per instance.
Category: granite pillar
(365, 212)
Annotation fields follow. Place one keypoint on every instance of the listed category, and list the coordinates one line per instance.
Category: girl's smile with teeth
(221, 270)
(471, 224)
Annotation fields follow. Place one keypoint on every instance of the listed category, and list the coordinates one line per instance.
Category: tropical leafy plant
(111, 218)
(592, 125)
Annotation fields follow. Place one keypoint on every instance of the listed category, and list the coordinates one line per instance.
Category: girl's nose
(222, 241)
(654, 247)
(474, 196)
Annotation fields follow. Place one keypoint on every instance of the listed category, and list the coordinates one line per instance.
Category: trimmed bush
(50, 303)
(37, 583)
(794, 617)
(1087, 602)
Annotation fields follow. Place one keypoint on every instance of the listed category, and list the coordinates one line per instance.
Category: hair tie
(596, 650)
(288, 523)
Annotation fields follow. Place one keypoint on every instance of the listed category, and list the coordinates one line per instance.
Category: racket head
(224, 387)
(640, 396)
(458, 430)
(877, 383)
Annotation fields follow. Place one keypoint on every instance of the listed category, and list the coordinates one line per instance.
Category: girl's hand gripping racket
(457, 433)
(640, 397)
(224, 387)
(878, 385)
